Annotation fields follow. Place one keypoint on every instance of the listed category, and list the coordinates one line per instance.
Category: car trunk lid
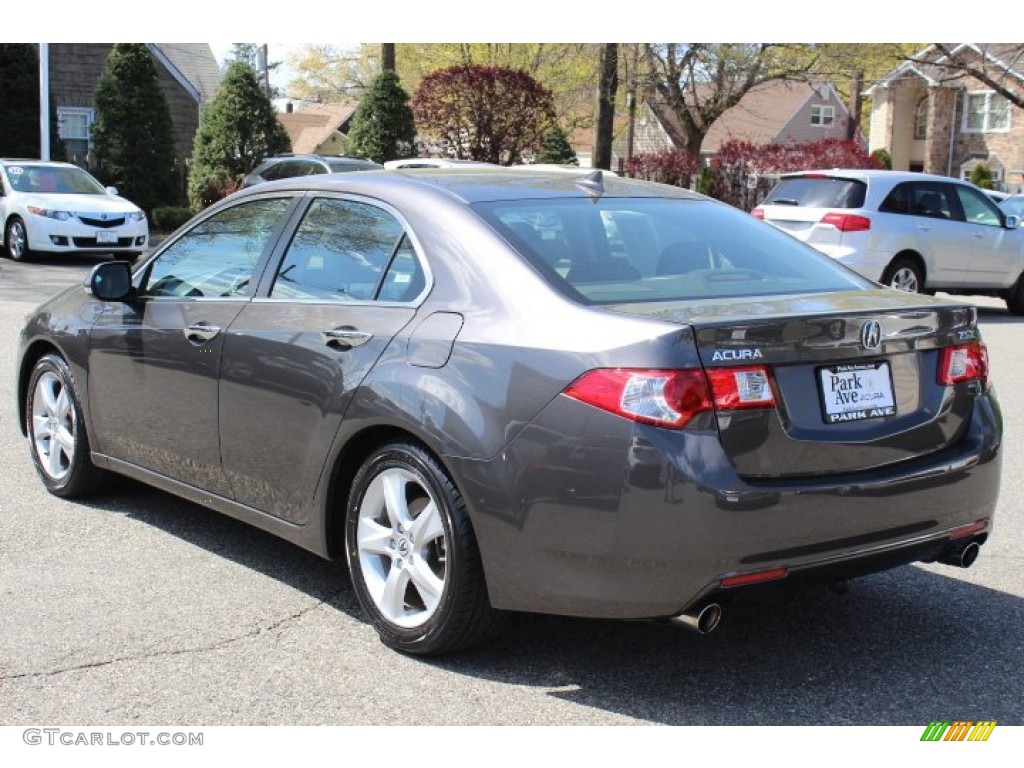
(854, 376)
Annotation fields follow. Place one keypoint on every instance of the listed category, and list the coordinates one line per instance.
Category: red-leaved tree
(673, 166)
(493, 114)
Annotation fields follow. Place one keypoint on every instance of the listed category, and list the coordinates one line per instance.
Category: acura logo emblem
(871, 334)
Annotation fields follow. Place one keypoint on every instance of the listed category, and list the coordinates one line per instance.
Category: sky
(518, 21)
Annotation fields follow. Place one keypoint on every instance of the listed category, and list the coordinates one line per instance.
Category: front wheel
(904, 275)
(16, 239)
(56, 431)
(413, 556)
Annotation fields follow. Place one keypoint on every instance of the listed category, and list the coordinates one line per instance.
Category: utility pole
(387, 57)
(264, 67)
(608, 84)
(631, 104)
(44, 101)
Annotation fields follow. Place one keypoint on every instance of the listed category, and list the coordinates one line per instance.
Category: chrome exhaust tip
(701, 620)
(961, 556)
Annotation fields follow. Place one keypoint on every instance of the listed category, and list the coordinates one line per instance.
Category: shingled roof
(314, 124)
(196, 65)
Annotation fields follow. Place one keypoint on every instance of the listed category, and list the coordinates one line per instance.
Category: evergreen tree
(556, 148)
(132, 138)
(19, 85)
(238, 129)
(383, 127)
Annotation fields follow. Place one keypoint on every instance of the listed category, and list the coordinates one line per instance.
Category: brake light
(847, 222)
(672, 398)
(666, 398)
(758, 213)
(964, 362)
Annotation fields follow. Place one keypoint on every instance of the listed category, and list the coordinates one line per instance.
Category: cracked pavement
(138, 607)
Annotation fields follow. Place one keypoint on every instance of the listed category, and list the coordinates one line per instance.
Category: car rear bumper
(621, 520)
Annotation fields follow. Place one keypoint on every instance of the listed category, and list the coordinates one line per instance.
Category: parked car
(912, 231)
(493, 393)
(289, 166)
(410, 163)
(57, 208)
(1013, 205)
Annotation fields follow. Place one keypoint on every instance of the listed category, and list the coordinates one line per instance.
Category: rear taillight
(964, 362)
(671, 398)
(734, 388)
(758, 213)
(847, 222)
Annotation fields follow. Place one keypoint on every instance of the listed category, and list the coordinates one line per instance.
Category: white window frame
(85, 112)
(965, 126)
(819, 113)
(997, 173)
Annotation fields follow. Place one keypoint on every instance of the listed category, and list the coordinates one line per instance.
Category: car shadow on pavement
(902, 648)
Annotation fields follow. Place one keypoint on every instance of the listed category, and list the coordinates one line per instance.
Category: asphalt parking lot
(139, 607)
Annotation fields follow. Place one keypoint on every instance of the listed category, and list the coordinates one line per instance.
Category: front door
(159, 355)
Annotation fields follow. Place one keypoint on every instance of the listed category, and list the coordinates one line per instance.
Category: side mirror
(111, 281)
(1011, 222)
(112, 191)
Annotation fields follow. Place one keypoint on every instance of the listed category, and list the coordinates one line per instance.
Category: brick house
(189, 77)
(932, 118)
(774, 112)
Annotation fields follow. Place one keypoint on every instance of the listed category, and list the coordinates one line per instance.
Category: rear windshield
(818, 192)
(612, 251)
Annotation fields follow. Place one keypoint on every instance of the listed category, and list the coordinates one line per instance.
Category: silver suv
(912, 231)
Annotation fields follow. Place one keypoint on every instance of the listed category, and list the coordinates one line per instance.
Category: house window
(822, 115)
(75, 130)
(921, 119)
(986, 112)
(997, 173)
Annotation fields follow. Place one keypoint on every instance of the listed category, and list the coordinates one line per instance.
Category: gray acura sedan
(495, 392)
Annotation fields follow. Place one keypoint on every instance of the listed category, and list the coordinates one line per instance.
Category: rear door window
(346, 250)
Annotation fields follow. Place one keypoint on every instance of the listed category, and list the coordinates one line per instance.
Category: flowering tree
(491, 114)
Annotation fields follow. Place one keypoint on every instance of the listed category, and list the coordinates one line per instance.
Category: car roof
(472, 185)
(871, 174)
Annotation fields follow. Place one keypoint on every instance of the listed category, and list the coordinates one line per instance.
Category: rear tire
(16, 239)
(1015, 298)
(413, 556)
(904, 275)
(57, 437)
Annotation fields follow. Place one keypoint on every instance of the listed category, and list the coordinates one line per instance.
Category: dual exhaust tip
(702, 619)
(962, 556)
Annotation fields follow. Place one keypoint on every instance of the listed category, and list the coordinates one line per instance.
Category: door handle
(346, 337)
(197, 333)
(923, 227)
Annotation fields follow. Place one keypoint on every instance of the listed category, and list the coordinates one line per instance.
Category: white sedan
(50, 207)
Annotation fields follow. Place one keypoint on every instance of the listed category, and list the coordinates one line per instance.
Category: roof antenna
(592, 183)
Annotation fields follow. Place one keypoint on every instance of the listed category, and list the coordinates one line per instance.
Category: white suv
(912, 231)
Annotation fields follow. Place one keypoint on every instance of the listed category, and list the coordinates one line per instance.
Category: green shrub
(168, 218)
(981, 176)
(883, 157)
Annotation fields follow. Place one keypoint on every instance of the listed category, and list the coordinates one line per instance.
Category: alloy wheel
(402, 548)
(53, 426)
